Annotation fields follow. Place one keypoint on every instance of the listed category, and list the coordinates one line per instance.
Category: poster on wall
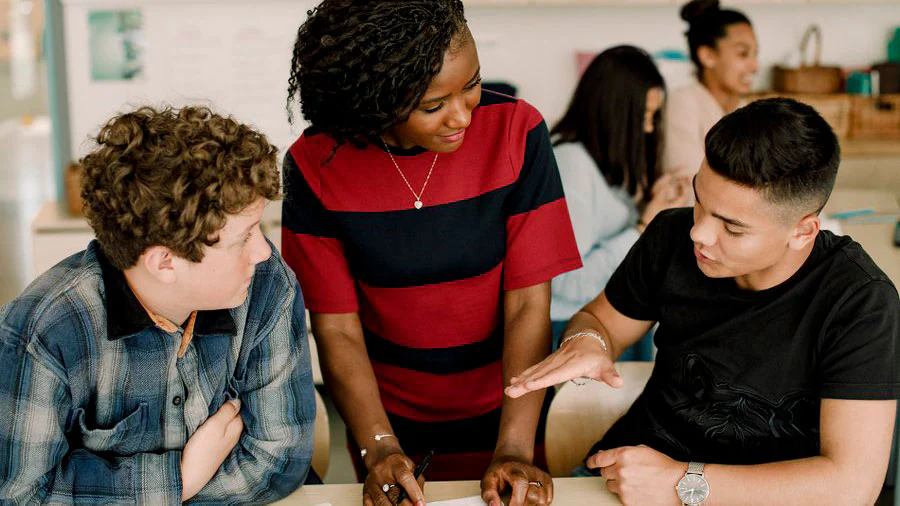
(116, 39)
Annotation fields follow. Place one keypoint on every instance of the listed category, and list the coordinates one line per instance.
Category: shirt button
(177, 400)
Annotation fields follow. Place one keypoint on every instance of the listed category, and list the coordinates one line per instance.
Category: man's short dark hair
(781, 147)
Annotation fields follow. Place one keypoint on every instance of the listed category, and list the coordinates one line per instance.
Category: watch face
(693, 489)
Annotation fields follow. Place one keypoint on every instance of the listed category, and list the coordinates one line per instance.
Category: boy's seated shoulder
(48, 310)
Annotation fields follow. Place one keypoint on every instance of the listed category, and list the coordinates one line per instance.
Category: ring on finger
(536, 484)
(387, 486)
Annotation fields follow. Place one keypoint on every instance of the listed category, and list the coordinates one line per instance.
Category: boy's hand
(207, 448)
(582, 357)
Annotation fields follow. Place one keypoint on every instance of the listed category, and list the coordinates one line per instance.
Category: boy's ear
(159, 262)
(805, 231)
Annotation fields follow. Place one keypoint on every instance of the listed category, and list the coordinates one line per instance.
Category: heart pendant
(418, 204)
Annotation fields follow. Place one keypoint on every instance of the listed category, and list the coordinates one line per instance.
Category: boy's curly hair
(362, 66)
(170, 177)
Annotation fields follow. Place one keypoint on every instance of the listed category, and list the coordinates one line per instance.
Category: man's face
(222, 279)
(736, 233)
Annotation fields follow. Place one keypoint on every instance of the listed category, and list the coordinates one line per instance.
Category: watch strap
(695, 468)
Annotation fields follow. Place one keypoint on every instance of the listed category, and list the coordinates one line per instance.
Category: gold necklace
(418, 203)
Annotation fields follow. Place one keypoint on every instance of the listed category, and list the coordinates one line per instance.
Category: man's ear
(805, 231)
(159, 262)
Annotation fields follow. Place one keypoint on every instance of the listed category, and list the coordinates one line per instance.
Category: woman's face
(734, 62)
(654, 102)
(439, 121)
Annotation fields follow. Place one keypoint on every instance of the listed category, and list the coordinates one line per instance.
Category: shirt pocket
(122, 438)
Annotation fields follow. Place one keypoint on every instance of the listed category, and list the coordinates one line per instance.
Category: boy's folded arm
(278, 403)
(36, 460)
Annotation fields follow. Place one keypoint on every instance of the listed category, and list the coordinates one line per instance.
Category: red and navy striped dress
(428, 283)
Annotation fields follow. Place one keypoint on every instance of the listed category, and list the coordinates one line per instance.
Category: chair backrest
(580, 415)
(321, 439)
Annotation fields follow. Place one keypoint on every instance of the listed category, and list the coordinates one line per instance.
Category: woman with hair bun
(723, 48)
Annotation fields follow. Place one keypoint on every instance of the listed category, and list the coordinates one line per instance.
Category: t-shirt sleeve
(540, 243)
(634, 287)
(859, 352)
(312, 247)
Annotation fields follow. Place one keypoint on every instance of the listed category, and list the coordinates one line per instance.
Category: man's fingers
(367, 501)
(613, 486)
(610, 472)
(603, 458)
(550, 362)
(611, 377)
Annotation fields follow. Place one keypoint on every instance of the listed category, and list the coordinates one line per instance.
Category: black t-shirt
(739, 375)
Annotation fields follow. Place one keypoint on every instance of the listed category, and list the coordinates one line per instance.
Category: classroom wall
(236, 54)
(534, 47)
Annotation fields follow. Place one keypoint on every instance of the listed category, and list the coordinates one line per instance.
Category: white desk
(566, 492)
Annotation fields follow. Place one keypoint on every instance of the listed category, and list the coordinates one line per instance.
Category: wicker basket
(876, 117)
(836, 109)
(813, 78)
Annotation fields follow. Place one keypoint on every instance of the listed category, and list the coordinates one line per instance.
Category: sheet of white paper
(323, 504)
(465, 501)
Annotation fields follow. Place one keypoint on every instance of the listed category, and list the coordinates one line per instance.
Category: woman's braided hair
(362, 66)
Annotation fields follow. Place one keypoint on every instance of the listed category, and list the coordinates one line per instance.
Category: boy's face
(222, 279)
(736, 233)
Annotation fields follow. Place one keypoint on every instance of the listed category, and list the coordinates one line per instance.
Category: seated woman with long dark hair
(607, 145)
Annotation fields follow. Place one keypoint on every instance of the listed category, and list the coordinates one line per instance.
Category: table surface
(567, 491)
(875, 238)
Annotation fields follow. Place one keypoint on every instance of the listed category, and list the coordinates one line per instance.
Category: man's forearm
(815, 481)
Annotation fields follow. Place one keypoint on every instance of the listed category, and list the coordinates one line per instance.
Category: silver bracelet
(587, 333)
(378, 437)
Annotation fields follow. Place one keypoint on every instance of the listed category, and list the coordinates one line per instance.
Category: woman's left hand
(529, 485)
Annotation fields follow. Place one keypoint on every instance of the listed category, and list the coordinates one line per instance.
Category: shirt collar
(126, 316)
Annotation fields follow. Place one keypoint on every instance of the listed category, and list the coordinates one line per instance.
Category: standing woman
(425, 219)
(723, 48)
(606, 145)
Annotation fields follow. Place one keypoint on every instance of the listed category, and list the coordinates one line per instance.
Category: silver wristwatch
(693, 489)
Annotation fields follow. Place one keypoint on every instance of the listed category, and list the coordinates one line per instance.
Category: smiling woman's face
(734, 61)
(440, 119)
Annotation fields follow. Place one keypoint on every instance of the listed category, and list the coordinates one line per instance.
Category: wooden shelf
(870, 147)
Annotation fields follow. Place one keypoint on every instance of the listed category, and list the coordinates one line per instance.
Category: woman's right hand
(390, 466)
(670, 191)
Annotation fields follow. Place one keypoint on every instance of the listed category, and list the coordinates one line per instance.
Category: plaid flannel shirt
(96, 405)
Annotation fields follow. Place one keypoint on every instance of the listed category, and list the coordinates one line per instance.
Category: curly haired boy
(166, 362)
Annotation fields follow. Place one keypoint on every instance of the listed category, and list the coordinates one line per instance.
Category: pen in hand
(418, 472)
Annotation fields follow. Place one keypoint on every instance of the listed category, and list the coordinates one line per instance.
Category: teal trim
(54, 44)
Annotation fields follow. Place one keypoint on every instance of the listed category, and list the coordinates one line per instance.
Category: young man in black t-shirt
(777, 362)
